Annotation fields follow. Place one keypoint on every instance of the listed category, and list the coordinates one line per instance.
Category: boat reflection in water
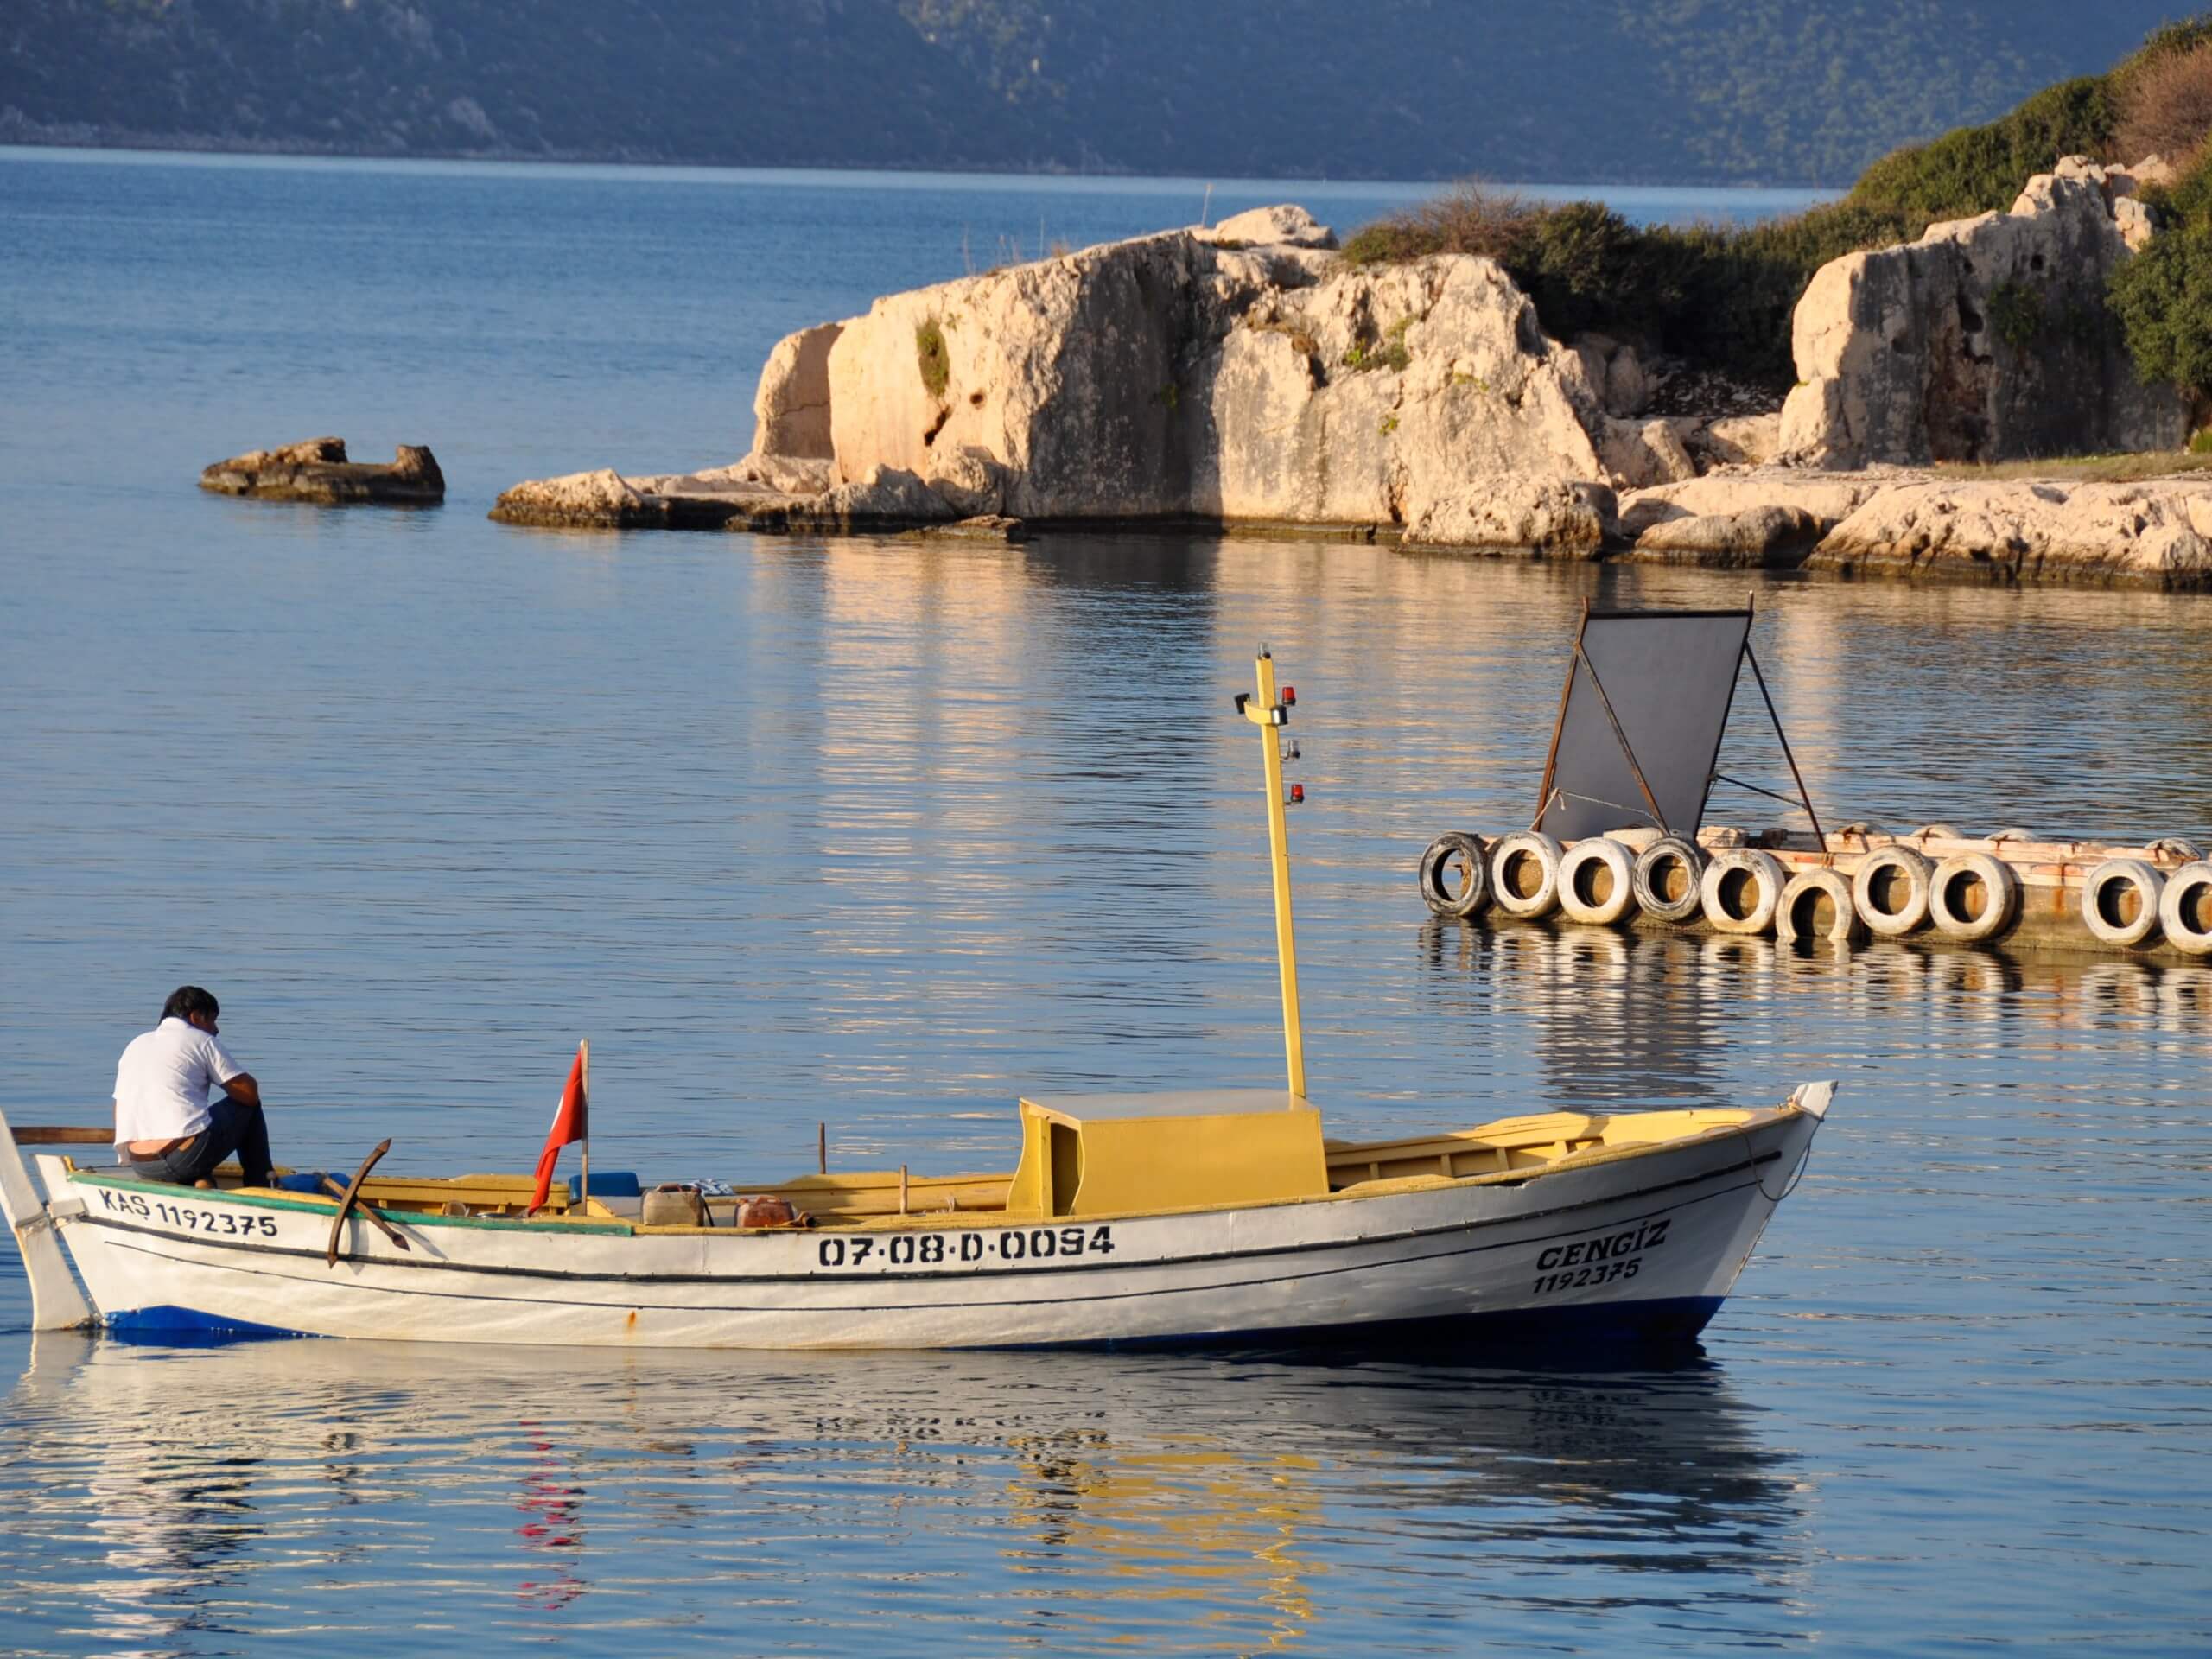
(1190, 1504)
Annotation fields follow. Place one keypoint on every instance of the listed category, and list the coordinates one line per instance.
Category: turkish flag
(570, 1124)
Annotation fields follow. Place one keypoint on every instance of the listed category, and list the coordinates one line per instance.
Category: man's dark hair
(188, 1000)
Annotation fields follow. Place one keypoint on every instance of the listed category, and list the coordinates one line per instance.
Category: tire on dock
(1597, 881)
(1742, 890)
(1473, 857)
(2119, 901)
(1818, 905)
(1524, 873)
(2185, 909)
(1974, 896)
(1666, 879)
(1890, 891)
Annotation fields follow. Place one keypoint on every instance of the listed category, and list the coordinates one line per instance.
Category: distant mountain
(1624, 91)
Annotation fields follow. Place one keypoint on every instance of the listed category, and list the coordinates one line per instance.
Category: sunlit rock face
(791, 410)
(2155, 533)
(1203, 373)
(1987, 340)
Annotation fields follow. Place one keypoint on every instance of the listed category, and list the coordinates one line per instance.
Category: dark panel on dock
(1663, 681)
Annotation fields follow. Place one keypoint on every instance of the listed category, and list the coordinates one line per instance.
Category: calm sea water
(881, 833)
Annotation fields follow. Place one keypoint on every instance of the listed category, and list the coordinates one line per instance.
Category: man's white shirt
(163, 1080)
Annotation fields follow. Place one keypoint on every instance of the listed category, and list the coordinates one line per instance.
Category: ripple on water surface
(879, 834)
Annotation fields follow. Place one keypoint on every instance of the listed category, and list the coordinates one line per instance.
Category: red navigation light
(1297, 793)
(1289, 697)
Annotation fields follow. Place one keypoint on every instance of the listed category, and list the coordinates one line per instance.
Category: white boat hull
(1639, 1247)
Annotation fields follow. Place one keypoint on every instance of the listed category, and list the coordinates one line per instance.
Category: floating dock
(2010, 889)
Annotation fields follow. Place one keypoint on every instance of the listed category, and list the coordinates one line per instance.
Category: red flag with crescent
(570, 1124)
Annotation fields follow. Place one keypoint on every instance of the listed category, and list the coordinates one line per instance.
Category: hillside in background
(1628, 91)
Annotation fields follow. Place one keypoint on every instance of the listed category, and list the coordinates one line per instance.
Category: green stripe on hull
(413, 1218)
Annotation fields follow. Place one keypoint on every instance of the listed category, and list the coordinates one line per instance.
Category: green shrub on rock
(2163, 296)
(1980, 169)
(932, 358)
(1469, 217)
(1585, 268)
(1722, 296)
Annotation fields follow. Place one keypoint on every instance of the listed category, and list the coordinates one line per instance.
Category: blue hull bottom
(186, 1327)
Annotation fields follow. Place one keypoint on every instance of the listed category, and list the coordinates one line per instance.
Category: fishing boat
(1199, 1216)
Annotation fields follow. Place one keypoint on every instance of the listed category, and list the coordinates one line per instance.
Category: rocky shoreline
(1246, 377)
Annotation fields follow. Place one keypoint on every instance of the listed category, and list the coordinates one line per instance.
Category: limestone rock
(309, 451)
(1825, 498)
(1165, 377)
(1613, 373)
(988, 527)
(1518, 509)
(1639, 454)
(1070, 371)
(1987, 339)
(783, 474)
(1753, 537)
(1243, 373)
(790, 409)
(1740, 440)
(316, 470)
(887, 496)
(595, 497)
(2134, 221)
(1626, 389)
(1266, 226)
(969, 479)
(2156, 533)
(2154, 169)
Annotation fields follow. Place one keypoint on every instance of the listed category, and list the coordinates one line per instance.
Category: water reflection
(1622, 1016)
(1203, 1505)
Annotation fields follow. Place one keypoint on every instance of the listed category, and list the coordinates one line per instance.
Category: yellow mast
(1270, 716)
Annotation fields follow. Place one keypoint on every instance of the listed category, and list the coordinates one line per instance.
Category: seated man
(163, 1119)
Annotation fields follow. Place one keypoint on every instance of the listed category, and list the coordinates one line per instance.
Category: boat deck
(1505, 1151)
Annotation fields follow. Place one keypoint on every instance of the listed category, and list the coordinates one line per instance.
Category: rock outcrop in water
(1246, 375)
(1987, 340)
(1202, 374)
(317, 471)
(1240, 374)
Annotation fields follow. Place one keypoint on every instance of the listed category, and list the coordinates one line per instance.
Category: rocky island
(316, 470)
(1246, 376)
(1446, 388)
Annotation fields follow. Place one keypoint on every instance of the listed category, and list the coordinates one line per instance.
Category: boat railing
(64, 1135)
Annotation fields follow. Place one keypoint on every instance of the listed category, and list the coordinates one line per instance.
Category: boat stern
(56, 1302)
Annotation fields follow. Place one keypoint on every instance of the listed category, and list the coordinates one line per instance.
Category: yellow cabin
(1118, 1154)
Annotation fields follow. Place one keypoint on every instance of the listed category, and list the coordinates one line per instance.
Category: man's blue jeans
(232, 1126)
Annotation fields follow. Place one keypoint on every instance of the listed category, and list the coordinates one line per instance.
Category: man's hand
(244, 1090)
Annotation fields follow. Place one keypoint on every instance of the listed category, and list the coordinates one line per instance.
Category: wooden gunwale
(1573, 1133)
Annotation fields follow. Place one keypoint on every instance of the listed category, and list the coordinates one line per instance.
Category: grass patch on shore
(2084, 469)
(1721, 296)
